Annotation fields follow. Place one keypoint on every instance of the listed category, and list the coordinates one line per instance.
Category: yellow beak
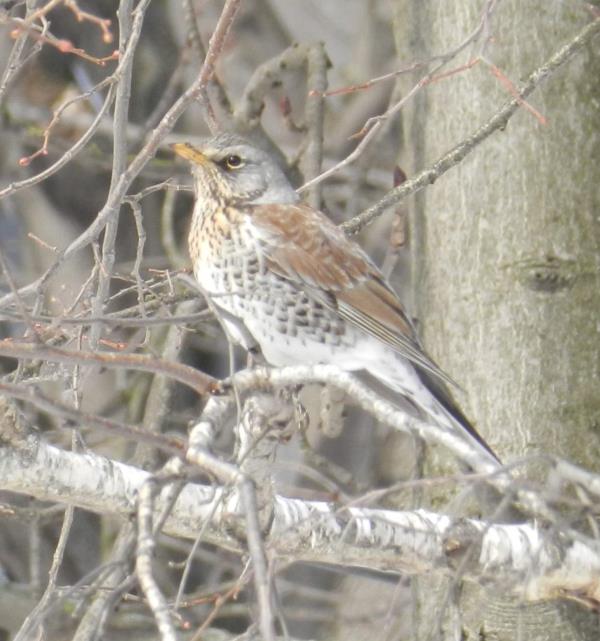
(187, 151)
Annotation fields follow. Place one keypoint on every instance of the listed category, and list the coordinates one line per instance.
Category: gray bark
(506, 262)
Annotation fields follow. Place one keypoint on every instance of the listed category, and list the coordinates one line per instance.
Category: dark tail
(441, 393)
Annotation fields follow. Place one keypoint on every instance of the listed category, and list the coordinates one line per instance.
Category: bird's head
(231, 169)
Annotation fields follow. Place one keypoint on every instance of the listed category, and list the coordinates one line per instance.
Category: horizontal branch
(193, 378)
(462, 446)
(534, 563)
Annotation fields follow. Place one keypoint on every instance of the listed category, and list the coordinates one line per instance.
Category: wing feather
(303, 246)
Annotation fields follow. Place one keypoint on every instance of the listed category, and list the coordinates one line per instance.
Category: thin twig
(193, 378)
(67, 156)
(31, 395)
(316, 79)
(496, 123)
(24, 314)
(374, 125)
(119, 161)
(114, 582)
(116, 195)
(198, 454)
(220, 601)
(139, 254)
(143, 561)
(13, 64)
(36, 616)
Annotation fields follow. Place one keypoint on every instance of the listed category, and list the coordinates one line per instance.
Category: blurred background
(277, 53)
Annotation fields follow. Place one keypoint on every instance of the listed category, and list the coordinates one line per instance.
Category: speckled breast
(231, 267)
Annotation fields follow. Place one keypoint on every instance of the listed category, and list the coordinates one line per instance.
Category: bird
(286, 282)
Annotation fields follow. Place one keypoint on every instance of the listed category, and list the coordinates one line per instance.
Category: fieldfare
(284, 279)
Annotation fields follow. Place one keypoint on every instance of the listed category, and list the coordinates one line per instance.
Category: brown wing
(304, 246)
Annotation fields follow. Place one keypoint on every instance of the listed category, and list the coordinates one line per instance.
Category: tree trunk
(506, 250)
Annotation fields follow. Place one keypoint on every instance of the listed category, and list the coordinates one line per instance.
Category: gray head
(233, 169)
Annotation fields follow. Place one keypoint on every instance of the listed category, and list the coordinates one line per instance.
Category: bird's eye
(233, 162)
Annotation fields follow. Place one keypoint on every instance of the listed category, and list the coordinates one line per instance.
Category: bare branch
(496, 123)
(196, 380)
(119, 190)
(143, 564)
(530, 561)
(262, 378)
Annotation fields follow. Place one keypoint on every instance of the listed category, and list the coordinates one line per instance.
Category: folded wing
(303, 246)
